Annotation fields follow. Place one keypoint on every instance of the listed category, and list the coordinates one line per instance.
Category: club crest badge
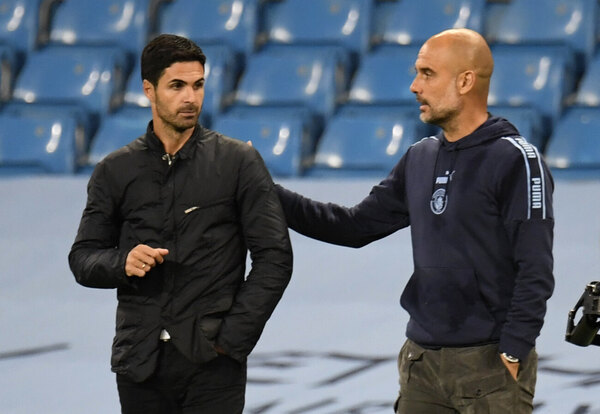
(439, 200)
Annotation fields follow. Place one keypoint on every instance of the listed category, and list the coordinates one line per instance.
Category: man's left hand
(219, 350)
(513, 367)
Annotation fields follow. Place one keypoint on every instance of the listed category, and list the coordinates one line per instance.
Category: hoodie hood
(492, 129)
(448, 153)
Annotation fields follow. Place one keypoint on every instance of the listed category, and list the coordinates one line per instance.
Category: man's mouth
(188, 111)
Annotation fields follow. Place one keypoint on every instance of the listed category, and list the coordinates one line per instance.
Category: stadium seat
(117, 130)
(532, 76)
(92, 77)
(413, 22)
(589, 88)
(86, 83)
(8, 72)
(339, 23)
(24, 24)
(123, 23)
(233, 23)
(221, 73)
(384, 77)
(571, 23)
(39, 144)
(369, 140)
(84, 121)
(574, 143)
(293, 77)
(284, 138)
(134, 92)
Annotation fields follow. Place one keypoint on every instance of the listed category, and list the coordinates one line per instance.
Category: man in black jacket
(478, 199)
(168, 222)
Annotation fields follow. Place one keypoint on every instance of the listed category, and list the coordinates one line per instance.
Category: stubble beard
(440, 117)
(172, 121)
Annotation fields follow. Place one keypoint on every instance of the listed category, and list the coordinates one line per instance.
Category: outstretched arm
(381, 213)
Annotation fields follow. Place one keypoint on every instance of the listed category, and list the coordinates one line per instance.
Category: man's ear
(148, 89)
(466, 81)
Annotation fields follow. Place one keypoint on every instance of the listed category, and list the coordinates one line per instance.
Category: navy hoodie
(480, 212)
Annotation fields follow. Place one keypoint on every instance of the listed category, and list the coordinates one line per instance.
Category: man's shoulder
(127, 150)
(223, 139)
(515, 147)
(428, 140)
(121, 159)
(424, 146)
(226, 145)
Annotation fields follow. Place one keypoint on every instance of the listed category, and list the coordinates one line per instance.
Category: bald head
(452, 82)
(463, 50)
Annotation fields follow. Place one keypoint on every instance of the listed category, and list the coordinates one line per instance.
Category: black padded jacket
(208, 205)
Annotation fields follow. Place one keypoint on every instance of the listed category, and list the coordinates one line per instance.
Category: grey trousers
(470, 380)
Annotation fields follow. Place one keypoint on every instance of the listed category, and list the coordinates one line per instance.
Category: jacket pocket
(128, 318)
(210, 327)
(221, 209)
(448, 305)
(128, 350)
(191, 340)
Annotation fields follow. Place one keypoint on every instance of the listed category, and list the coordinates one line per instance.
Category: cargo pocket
(481, 386)
(409, 355)
(528, 373)
(490, 394)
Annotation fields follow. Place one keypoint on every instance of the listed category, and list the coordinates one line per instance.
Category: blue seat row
(574, 144)
(356, 141)
(102, 78)
(39, 145)
(244, 25)
(307, 69)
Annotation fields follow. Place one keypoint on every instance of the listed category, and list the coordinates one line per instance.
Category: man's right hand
(142, 258)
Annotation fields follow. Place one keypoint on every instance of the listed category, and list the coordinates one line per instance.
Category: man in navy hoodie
(478, 199)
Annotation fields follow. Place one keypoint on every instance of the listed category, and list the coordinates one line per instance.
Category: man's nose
(413, 86)
(189, 95)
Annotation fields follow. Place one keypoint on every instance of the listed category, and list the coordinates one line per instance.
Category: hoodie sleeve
(525, 196)
(381, 213)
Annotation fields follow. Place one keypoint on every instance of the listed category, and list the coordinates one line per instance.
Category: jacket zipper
(169, 159)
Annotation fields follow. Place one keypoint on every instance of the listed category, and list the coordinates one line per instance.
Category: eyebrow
(177, 80)
(423, 69)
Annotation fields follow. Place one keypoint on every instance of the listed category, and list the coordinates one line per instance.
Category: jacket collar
(187, 151)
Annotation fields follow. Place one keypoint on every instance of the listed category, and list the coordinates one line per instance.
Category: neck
(464, 124)
(173, 140)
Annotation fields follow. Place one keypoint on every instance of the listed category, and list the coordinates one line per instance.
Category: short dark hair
(164, 50)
